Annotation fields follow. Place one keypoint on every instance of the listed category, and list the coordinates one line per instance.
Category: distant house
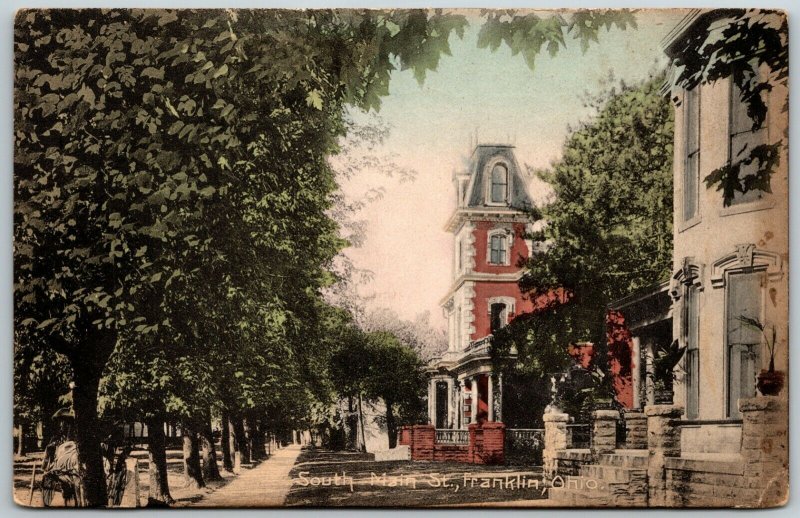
(489, 227)
(729, 262)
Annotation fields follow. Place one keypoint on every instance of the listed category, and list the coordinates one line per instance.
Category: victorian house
(729, 261)
(489, 226)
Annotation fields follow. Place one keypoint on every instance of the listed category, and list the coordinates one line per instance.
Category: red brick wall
(484, 290)
(486, 445)
(519, 250)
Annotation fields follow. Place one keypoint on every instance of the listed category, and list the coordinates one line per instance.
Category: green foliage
(606, 233)
(750, 46)
(529, 34)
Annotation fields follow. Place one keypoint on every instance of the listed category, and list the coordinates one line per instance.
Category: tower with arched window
(489, 226)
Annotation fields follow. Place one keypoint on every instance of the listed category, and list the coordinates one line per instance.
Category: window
(499, 191)
(460, 256)
(742, 139)
(691, 321)
(497, 249)
(744, 299)
(691, 164)
(498, 316)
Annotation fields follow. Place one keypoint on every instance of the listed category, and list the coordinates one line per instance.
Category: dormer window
(499, 187)
(498, 248)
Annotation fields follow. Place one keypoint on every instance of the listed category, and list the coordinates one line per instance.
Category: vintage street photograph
(403, 258)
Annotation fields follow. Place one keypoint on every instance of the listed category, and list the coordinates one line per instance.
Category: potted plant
(769, 382)
(664, 364)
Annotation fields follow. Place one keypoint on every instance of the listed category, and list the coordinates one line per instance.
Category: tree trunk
(210, 469)
(157, 464)
(351, 434)
(391, 425)
(21, 440)
(233, 444)
(192, 473)
(241, 439)
(93, 491)
(227, 459)
(361, 423)
(259, 441)
(247, 425)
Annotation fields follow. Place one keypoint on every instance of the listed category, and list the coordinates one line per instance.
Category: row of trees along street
(174, 228)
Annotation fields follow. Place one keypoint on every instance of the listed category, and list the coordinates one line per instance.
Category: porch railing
(524, 435)
(448, 436)
(475, 344)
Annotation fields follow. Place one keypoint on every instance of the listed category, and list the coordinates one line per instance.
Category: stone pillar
(604, 431)
(474, 401)
(765, 447)
(635, 430)
(555, 440)
(490, 397)
(663, 440)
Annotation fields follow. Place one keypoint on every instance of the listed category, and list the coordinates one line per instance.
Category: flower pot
(770, 382)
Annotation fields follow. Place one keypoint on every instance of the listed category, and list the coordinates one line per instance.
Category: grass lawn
(325, 478)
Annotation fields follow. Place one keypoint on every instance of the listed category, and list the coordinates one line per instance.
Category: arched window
(497, 249)
(498, 316)
(499, 191)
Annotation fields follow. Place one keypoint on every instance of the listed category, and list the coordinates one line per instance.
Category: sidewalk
(266, 485)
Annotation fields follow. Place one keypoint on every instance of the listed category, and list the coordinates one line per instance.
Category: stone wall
(755, 477)
(635, 430)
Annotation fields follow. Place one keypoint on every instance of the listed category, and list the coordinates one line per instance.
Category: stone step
(624, 460)
(585, 491)
(572, 497)
(612, 474)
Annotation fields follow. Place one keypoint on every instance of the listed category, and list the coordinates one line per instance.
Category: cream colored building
(728, 261)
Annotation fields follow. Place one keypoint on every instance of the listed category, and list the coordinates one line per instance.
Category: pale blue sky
(499, 97)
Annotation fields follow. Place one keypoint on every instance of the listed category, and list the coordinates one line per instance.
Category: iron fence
(524, 445)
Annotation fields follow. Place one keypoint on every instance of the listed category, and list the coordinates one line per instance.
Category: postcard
(401, 258)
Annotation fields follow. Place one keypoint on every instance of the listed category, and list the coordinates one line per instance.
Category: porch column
(474, 400)
(461, 398)
(432, 401)
(490, 396)
(500, 397)
(450, 402)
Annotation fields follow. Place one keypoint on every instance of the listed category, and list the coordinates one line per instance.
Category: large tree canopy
(606, 232)
(173, 226)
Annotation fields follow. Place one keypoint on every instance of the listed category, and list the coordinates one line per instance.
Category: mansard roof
(481, 162)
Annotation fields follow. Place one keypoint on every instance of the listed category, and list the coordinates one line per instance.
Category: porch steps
(617, 480)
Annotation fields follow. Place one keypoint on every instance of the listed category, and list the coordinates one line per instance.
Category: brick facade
(485, 446)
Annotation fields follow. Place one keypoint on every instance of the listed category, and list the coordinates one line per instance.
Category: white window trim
(487, 190)
(509, 302)
(768, 201)
(685, 224)
(745, 258)
(508, 235)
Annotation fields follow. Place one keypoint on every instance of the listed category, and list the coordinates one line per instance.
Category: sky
(491, 97)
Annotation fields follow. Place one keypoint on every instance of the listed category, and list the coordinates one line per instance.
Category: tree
(395, 376)
(172, 165)
(608, 229)
(751, 47)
